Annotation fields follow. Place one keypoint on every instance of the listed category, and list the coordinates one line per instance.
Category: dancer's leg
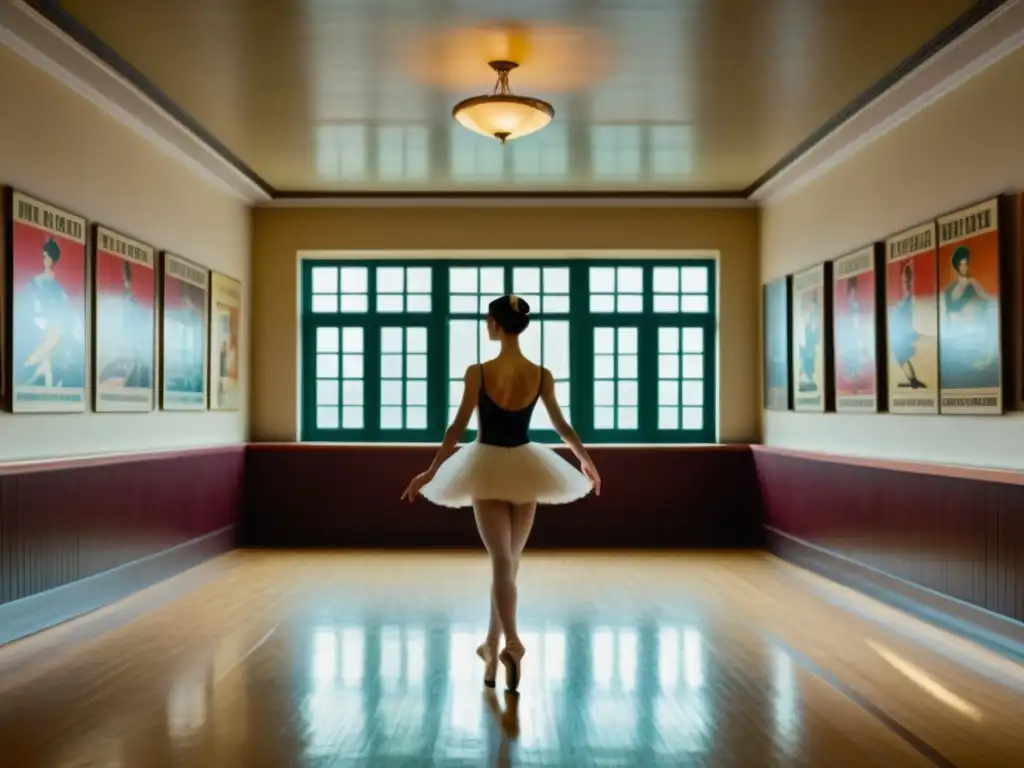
(494, 521)
(521, 519)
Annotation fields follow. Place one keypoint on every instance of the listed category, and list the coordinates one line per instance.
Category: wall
(61, 148)
(962, 148)
(279, 233)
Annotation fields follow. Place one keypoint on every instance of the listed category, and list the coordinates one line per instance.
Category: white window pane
(391, 340)
(630, 303)
(416, 339)
(354, 280)
(352, 366)
(416, 417)
(390, 418)
(668, 393)
(391, 366)
(529, 342)
(352, 417)
(488, 348)
(668, 340)
(602, 279)
(629, 393)
(554, 305)
(627, 367)
(326, 366)
(492, 280)
(628, 417)
(532, 300)
(695, 304)
(325, 304)
(327, 392)
(390, 279)
(352, 392)
(556, 279)
(602, 303)
(693, 340)
(462, 347)
(526, 280)
(604, 367)
(327, 417)
(630, 280)
(327, 340)
(485, 303)
(556, 348)
(693, 392)
(540, 419)
(351, 339)
(693, 418)
(693, 366)
(666, 304)
(391, 303)
(604, 393)
(604, 341)
(628, 341)
(668, 418)
(668, 366)
(462, 279)
(418, 280)
(325, 279)
(416, 392)
(666, 280)
(562, 394)
(354, 303)
(455, 392)
(695, 279)
(391, 393)
(416, 366)
(463, 305)
(417, 302)
(604, 418)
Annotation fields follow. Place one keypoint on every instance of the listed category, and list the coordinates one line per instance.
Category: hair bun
(524, 306)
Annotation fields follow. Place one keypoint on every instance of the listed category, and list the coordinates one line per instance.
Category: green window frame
(385, 344)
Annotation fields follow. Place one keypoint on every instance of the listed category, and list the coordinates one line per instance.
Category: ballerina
(503, 476)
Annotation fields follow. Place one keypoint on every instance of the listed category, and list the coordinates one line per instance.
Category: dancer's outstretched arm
(566, 432)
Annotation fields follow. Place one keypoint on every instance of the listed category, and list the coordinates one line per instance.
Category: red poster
(855, 332)
(185, 312)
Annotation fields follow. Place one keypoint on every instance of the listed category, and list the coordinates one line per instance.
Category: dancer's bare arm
(454, 433)
(565, 430)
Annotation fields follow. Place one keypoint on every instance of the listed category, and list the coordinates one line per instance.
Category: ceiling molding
(523, 200)
(993, 37)
(44, 44)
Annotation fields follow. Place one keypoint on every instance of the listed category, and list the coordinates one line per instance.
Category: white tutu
(521, 475)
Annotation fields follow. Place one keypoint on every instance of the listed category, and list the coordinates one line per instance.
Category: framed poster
(225, 319)
(858, 341)
(812, 337)
(970, 354)
(778, 394)
(44, 306)
(124, 335)
(912, 309)
(183, 323)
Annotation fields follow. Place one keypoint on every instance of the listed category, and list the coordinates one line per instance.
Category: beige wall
(63, 149)
(966, 146)
(278, 235)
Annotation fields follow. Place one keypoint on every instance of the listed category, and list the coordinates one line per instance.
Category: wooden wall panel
(348, 496)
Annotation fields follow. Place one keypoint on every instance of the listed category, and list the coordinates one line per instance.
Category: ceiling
(681, 96)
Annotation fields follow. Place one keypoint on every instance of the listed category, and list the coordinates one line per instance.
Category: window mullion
(438, 354)
(581, 353)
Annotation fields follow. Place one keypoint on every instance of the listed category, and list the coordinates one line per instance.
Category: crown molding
(43, 44)
(610, 200)
(991, 39)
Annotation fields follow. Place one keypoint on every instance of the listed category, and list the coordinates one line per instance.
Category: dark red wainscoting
(960, 536)
(348, 496)
(61, 522)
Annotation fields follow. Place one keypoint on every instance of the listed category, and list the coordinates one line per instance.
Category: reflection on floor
(266, 659)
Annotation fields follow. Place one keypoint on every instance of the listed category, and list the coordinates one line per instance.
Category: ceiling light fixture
(502, 115)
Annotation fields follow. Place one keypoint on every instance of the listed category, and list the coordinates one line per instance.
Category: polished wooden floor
(281, 659)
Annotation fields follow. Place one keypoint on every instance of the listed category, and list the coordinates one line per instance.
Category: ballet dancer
(503, 476)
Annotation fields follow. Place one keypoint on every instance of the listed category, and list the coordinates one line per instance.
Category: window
(630, 344)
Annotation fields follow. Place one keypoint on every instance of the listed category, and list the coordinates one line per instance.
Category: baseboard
(30, 615)
(998, 633)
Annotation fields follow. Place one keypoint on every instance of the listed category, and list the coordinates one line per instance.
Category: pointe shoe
(490, 660)
(511, 658)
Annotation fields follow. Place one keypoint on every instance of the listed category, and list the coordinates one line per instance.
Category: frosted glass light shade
(511, 117)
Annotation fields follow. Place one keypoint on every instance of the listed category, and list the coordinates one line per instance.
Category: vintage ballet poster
(225, 321)
(124, 348)
(810, 336)
(45, 268)
(185, 308)
(911, 298)
(970, 359)
(776, 345)
(854, 290)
